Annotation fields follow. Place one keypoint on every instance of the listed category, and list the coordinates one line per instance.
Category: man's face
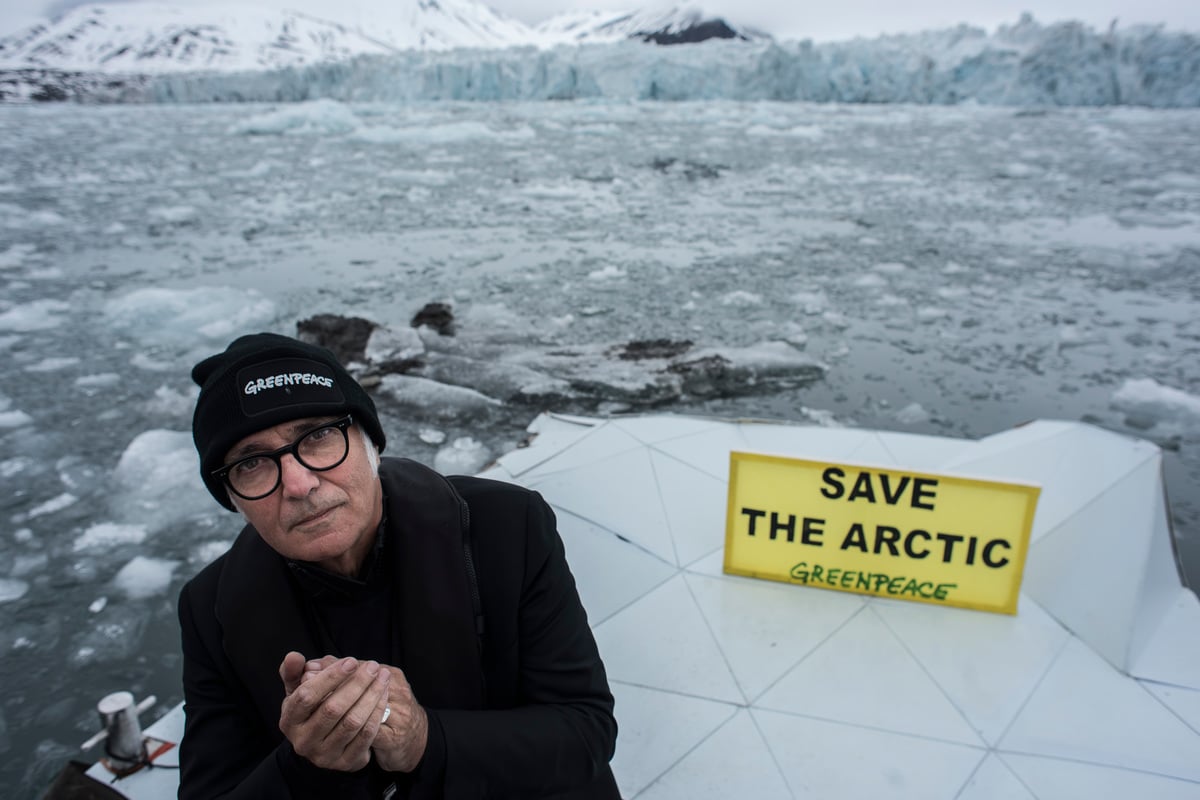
(328, 517)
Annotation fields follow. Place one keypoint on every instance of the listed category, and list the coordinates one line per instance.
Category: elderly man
(376, 630)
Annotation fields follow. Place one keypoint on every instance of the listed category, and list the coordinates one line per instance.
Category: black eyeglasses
(256, 476)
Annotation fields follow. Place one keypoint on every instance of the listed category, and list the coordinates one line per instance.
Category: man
(376, 630)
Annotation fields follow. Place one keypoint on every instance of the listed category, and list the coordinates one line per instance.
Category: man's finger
(291, 670)
(356, 729)
(309, 696)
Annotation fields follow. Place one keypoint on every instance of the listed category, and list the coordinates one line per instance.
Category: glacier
(1024, 64)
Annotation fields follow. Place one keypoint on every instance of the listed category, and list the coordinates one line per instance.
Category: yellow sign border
(1008, 606)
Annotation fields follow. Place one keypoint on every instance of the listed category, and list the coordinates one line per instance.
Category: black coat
(489, 631)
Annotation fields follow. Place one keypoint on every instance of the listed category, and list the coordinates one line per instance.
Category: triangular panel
(863, 676)
(1184, 702)
(657, 729)
(596, 446)
(732, 763)
(1085, 710)
(827, 759)
(764, 628)
(662, 427)
(609, 573)
(987, 664)
(695, 506)
(994, 781)
(1103, 544)
(662, 641)
(619, 494)
(1172, 655)
(1054, 779)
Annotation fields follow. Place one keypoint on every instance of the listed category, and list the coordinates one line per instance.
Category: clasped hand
(333, 714)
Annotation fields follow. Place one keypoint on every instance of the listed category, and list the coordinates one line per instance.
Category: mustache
(298, 516)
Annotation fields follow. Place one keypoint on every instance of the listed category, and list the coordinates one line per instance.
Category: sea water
(953, 271)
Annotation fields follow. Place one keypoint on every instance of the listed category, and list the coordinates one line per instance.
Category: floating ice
(53, 505)
(741, 298)
(812, 303)
(172, 402)
(609, 272)
(12, 589)
(53, 364)
(316, 118)
(912, 414)
(145, 577)
(16, 255)
(27, 564)
(104, 535)
(176, 215)
(435, 397)
(465, 456)
(39, 315)
(180, 315)
(431, 436)
(1149, 399)
(14, 419)
(393, 344)
(159, 477)
(207, 552)
(97, 605)
(100, 380)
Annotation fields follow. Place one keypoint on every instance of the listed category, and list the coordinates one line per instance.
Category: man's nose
(296, 479)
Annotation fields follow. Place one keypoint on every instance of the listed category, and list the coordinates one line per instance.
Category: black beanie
(262, 380)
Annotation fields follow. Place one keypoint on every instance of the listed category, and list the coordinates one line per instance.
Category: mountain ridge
(149, 38)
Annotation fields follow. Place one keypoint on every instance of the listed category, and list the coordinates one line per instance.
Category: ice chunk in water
(465, 456)
(39, 315)
(320, 117)
(178, 316)
(912, 414)
(145, 577)
(438, 398)
(1153, 402)
(159, 473)
(109, 534)
(12, 589)
(14, 419)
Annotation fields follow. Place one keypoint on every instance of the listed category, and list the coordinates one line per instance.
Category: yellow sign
(888, 532)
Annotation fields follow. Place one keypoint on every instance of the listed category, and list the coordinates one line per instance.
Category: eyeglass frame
(344, 424)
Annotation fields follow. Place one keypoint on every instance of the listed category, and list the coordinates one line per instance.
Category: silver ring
(387, 712)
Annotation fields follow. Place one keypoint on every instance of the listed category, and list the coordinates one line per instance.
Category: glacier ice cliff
(1025, 64)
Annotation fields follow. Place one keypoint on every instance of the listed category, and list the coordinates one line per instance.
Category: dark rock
(437, 316)
(700, 32)
(346, 337)
(711, 376)
(652, 348)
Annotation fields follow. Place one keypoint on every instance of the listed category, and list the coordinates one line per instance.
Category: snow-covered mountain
(675, 25)
(147, 38)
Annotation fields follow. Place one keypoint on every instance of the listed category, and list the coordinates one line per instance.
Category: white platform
(729, 687)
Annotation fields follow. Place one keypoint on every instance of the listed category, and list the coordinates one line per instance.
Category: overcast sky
(822, 20)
